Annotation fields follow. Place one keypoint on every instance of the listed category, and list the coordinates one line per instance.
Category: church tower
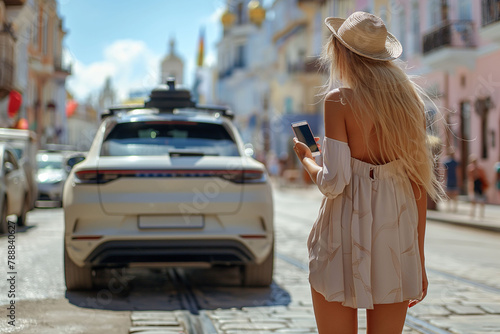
(172, 66)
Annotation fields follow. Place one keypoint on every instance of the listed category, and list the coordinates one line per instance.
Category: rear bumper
(123, 253)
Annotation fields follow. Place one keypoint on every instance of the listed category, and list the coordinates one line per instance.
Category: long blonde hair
(383, 93)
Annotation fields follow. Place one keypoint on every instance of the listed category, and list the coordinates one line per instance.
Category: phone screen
(304, 134)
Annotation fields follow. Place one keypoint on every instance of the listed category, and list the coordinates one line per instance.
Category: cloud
(131, 65)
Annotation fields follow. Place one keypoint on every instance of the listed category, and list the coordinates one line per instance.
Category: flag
(201, 48)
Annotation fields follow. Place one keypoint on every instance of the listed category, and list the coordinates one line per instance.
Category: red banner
(15, 101)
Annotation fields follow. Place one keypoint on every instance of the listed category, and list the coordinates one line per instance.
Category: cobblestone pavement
(462, 263)
(457, 302)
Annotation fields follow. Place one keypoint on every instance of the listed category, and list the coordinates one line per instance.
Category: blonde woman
(366, 248)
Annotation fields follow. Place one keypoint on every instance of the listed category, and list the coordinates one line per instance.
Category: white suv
(169, 185)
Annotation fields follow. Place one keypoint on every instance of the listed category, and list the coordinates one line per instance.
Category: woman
(366, 248)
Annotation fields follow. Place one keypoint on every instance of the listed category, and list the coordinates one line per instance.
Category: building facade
(268, 71)
(452, 47)
(46, 92)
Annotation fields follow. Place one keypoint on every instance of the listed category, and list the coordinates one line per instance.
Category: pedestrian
(496, 168)
(366, 247)
(477, 185)
(451, 178)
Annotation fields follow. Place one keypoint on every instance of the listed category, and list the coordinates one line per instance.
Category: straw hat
(365, 34)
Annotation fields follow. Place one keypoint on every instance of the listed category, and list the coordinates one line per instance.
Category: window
(240, 58)
(464, 10)
(174, 138)
(240, 13)
(415, 27)
(34, 29)
(55, 40)
(434, 12)
(45, 32)
(288, 105)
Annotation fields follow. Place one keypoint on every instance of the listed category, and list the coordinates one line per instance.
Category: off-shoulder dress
(363, 247)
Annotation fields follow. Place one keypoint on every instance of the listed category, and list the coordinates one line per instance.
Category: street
(462, 262)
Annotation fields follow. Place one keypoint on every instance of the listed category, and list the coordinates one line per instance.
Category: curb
(478, 225)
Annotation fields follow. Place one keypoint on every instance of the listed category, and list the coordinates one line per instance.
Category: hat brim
(392, 50)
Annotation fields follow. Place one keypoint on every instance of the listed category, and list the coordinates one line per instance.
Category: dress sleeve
(336, 171)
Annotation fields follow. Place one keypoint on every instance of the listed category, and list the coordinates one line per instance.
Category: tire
(259, 275)
(21, 219)
(77, 278)
(3, 217)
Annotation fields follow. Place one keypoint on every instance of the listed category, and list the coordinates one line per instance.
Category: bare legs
(386, 318)
(473, 209)
(333, 318)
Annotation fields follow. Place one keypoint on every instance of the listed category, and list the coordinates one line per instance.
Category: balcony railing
(318, 2)
(14, 2)
(6, 77)
(490, 11)
(310, 65)
(59, 67)
(6, 62)
(457, 34)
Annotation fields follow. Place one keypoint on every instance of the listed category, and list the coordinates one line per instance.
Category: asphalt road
(463, 264)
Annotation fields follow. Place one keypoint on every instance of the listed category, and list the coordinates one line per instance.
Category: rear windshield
(169, 138)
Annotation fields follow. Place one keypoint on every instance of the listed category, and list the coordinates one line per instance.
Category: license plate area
(171, 221)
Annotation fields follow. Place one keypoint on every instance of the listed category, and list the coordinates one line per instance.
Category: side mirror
(9, 167)
(71, 162)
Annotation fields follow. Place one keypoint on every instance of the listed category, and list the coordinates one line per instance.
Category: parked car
(14, 188)
(51, 175)
(168, 184)
(25, 145)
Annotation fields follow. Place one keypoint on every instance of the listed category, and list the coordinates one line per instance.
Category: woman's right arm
(421, 199)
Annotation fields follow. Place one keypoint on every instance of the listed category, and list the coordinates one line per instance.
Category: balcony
(305, 66)
(451, 45)
(14, 2)
(490, 23)
(6, 62)
(60, 68)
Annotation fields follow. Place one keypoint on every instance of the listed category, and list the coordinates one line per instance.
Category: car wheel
(259, 274)
(21, 219)
(77, 278)
(3, 217)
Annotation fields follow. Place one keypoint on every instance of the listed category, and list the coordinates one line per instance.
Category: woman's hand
(425, 284)
(302, 150)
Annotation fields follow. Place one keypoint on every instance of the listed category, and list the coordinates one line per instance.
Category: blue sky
(126, 39)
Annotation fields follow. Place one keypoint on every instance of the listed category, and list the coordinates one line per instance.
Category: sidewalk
(491, 220)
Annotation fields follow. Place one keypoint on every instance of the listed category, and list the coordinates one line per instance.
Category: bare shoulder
(336, 109)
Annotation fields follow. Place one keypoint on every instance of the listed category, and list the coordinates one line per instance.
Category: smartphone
(304, 134)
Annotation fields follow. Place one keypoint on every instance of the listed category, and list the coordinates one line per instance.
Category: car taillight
(86, 176)
(245, 176)
(254, 176)
(94, 176)
(105, 176)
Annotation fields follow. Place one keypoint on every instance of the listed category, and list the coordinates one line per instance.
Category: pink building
(454, 46)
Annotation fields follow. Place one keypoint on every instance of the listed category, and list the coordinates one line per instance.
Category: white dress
(363, 247)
